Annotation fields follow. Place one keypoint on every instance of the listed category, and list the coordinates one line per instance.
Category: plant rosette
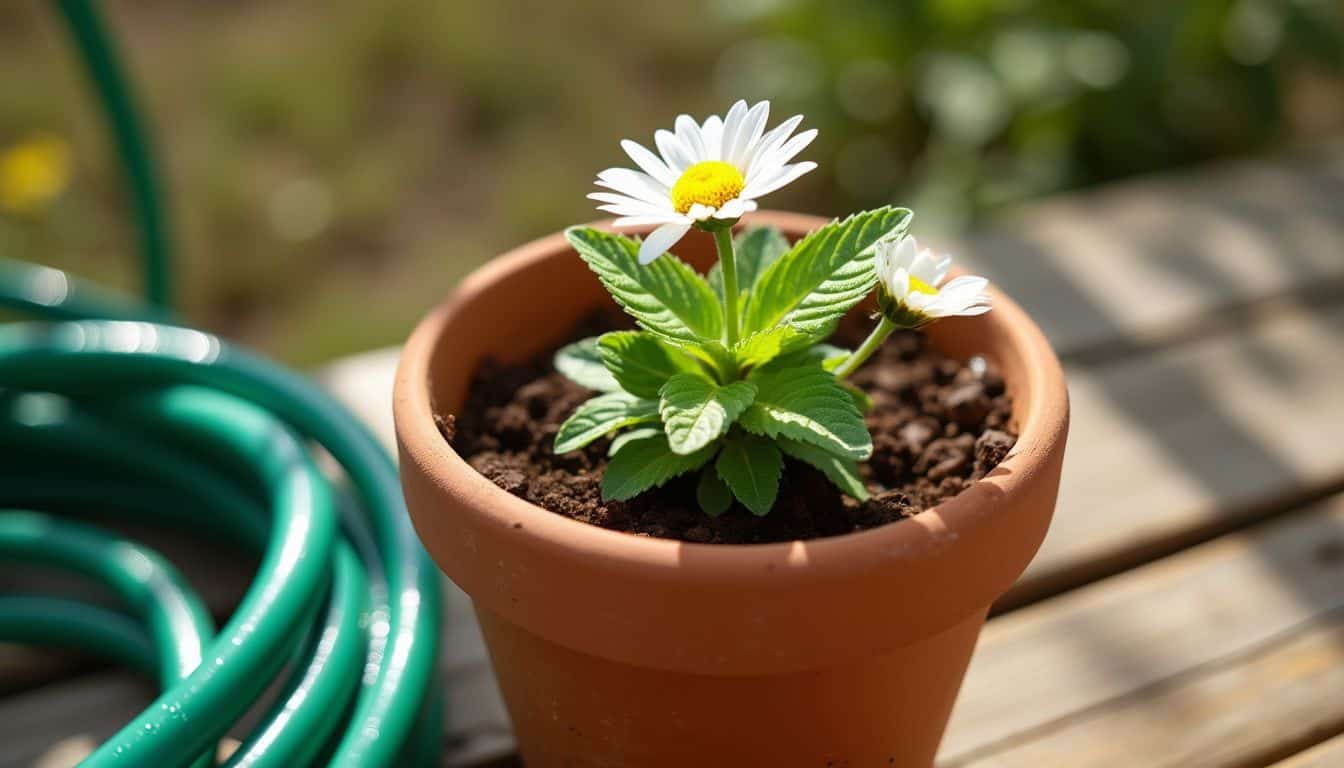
(614, 649)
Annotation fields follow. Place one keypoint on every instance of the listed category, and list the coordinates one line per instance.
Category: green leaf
(839, 470)
(824, 274)
(831, 356)
(697, 412)
(755, 249)
(751, 465)
(806, 403)
(716, 357)
(600, 416)
(581, 363)
(862, 401)
(667, 297)
(648, 463)
(763, 346)
(828, 356)
(641, 363)
(713, 494)
(618, 442)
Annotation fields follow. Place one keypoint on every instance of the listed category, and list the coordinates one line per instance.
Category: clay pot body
(618, 650)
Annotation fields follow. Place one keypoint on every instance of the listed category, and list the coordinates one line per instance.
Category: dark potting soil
(938, 425)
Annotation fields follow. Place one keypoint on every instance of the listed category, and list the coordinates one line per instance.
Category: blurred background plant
(336, 166)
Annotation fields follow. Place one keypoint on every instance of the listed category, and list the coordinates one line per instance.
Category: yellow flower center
(711, 182)
(919, 286)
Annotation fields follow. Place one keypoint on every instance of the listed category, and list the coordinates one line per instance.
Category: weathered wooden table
(1187, 608)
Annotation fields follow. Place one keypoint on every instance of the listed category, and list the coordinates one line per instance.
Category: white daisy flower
(910, 288)
(705, 174)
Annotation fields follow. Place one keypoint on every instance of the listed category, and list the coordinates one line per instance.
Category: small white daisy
(706, 174)
(910, 291)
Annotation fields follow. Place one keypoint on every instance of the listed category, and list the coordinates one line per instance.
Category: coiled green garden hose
(114, 412)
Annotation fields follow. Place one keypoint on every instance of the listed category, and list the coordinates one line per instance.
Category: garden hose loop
(110, 412)
(179, 410)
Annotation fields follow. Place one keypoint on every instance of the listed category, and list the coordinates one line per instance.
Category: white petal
(785, 152)
(753, 125)
(700, 212)
(909, 249)
(688, 133)
(925, 267)
(649, 162)
(636, 184)
(678, 157)
(732, 124)
(924, 303)
(940, 268)
(949, 309)
(644, 221)
(973, 311)
(625, 201)
(659, 240)
(900, 283)
(636, 193)
(748, 205)
(883, 260)
(796, 144)
(668, 215)
(969, 284)
(626, 210)
(712, 133)
(962, 301)
(763, 180)
(969, 307)
(794, 171)
(770, 142)
(733, 209)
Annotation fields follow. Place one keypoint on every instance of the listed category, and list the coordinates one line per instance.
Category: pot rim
(771, 570)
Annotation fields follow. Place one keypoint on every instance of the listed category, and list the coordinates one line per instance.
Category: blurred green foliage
(961, 106)
(337, 165)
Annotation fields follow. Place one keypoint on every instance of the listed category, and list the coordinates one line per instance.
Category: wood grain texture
(1142, 260)
(1209, 606)
(1241, 712)
(60, 724)
(60, 716)
(1329, 754)
(1173, 448)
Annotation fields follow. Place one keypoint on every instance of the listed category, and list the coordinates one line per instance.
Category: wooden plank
(60, 724)
(1240, 713)
(1146, 259)
(363, 383)
(23, 668)
(65, 717)
(1214, 604)
(1329, 754)
(1172, 448)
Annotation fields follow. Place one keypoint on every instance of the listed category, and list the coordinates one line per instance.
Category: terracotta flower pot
(619, 650)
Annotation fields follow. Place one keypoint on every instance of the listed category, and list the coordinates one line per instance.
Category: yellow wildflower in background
(33, 173)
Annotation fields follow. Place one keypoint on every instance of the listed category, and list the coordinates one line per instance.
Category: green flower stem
(723, 238)
(866, 349)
